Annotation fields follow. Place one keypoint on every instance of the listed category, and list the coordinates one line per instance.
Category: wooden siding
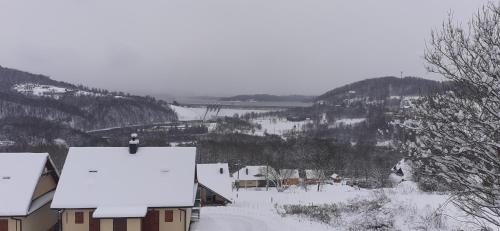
(45, 184)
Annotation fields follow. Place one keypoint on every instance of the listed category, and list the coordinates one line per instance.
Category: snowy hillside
(31, 97)
(54, 92)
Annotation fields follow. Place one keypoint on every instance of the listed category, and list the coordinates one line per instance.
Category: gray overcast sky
(221, 47)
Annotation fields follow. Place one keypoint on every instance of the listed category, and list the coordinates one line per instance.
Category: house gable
(47, 181)
(20, 174)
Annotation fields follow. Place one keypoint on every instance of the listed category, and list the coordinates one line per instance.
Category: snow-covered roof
(311, 174)
(210, 176)
(290, 173)
(120, 211)
(41, 201)
(406, 172)
(250, 173)
(19, 175)
(107, 178)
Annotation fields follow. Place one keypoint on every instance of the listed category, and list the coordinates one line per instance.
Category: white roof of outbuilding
(19, 176)
(110, 179)
(210, 176)
(311, 174)
(290, 173)
(254, 173)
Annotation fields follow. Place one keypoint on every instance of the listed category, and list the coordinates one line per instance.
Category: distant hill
(25, 95)
(382, 88)
(269, 98)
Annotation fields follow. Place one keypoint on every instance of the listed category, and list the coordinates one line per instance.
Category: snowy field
(197, 113)
(278, 126)
(400, 208)
(347, 122)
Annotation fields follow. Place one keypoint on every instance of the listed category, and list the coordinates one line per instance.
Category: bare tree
(320, 176)
(321, 158)
(277, 176)
(458, 133)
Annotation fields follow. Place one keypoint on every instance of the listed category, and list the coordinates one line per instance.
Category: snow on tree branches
(457, 134)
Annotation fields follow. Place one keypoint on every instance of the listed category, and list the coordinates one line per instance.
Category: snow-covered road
(258, 218)
(229, 222)
(240, 219)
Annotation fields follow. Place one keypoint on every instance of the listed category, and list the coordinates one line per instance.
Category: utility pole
(267, 178)
(238, 181)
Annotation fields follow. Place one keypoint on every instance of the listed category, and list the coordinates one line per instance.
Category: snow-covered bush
(362, 213)
(431, 220)
(407, 187)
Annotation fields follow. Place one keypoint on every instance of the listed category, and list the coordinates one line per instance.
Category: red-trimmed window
(169, 216)
(79, 218)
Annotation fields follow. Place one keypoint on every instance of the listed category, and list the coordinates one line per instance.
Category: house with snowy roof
(336, 178)
(214, 184)
(27, 185)
(251, 177)
(290, 177)
(402, 171)
(127, 189)
(313, 176)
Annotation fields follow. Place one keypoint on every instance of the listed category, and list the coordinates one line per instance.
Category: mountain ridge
(23, 94)
(268, 98)
(381, 88)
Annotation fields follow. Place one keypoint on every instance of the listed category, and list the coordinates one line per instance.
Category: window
(120, 224)
(4, 224)
(169, 216)
(79, 218)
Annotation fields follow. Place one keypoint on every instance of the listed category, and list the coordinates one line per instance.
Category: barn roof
(215, 177)
(110, 179)
(19, 176)
(290, 173)
(250, 173)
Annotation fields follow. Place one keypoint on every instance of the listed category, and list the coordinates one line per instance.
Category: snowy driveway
(228, 222)
(239, 219)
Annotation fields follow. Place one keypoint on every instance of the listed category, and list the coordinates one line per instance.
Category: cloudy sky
(221, 47)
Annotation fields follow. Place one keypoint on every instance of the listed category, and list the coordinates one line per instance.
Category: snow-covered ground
(278, 126)
(401, 208)
(197, 113)
(385, 143)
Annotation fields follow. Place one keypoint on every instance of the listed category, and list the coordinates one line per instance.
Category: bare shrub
(321, 213)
